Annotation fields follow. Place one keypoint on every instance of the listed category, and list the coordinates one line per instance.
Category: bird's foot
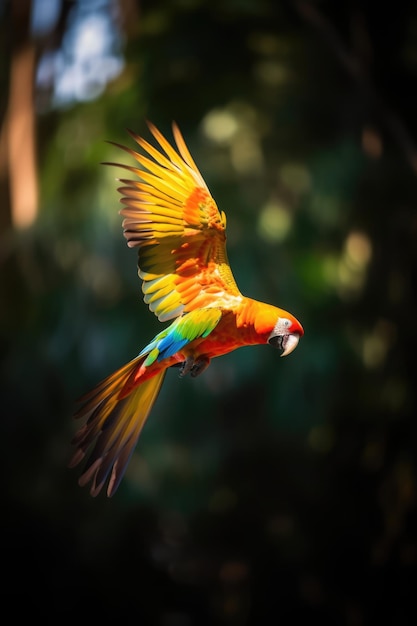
(194, 367)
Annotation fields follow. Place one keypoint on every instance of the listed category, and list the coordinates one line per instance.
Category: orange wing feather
(170, 215)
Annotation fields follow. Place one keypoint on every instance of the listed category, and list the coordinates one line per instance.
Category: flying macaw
(173, 221)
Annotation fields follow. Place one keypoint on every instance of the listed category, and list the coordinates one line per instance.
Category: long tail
(115, 412)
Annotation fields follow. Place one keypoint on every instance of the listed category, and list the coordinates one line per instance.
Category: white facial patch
(281, 327)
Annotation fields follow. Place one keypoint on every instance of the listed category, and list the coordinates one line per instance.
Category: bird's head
(286, 333)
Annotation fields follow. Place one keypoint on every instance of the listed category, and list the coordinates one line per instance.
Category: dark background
(267, 491)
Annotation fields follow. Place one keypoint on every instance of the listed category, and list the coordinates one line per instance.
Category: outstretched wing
(171, 217)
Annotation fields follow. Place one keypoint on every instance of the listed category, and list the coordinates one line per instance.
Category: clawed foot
(194, 367)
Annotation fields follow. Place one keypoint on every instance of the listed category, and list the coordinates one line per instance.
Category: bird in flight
(180, 234)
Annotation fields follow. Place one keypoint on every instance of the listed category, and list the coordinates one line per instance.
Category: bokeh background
(267, 491)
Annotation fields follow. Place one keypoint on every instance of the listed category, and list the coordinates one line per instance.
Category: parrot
(170, 216)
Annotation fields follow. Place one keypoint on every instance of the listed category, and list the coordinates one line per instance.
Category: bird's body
(180, 234)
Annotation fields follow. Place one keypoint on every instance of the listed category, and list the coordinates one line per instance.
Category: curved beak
(289, 343)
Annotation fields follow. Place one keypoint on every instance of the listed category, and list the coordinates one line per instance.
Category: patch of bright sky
(44, 16)
(90, 55)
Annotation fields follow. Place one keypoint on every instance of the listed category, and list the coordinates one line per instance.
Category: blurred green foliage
(268, 490)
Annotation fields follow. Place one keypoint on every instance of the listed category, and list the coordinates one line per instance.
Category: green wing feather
(194, 325)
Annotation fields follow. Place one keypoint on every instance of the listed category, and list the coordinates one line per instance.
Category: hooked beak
(287, 343)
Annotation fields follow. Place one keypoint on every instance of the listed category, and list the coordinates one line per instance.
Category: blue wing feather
(187, 328)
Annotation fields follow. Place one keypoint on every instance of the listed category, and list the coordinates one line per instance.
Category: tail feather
(114, 420)
(110, 384)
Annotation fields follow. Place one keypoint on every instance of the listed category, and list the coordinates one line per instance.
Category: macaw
(173, 221)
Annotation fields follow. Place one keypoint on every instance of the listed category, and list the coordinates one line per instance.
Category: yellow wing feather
(170, 215)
